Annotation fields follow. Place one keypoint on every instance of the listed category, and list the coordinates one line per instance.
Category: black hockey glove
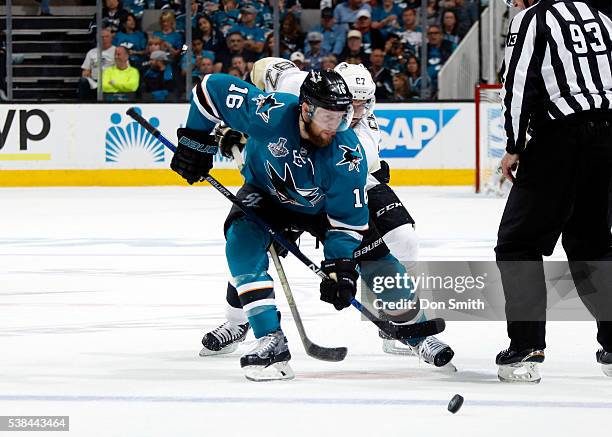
(342, 290)
(193, 158)
(383, 174)
(227, 138)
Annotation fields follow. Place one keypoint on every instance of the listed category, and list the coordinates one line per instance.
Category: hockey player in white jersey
(387, 212)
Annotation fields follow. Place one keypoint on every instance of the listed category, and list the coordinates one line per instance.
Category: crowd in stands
(230, 35)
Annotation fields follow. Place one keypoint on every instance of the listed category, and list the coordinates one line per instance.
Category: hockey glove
(193, 158)
(383, 174)
(227, 138)
(340, 290)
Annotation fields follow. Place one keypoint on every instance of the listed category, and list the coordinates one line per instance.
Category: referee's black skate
(519, 366)
(269, 359)
(605, 359)
(224, 339)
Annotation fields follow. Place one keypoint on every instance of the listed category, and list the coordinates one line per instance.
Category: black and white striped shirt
(557, 62)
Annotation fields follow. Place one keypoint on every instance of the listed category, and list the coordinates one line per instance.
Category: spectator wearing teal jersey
(227, 16)
(174, 40)
(130, 37)
(387, 17)
(254, 36)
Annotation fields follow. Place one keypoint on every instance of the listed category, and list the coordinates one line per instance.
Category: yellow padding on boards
(229, 177)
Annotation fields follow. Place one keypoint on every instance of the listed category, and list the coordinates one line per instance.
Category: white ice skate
(224, 339)
(519, 366)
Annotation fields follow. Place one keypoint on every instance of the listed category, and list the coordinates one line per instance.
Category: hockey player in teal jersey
(303, 168)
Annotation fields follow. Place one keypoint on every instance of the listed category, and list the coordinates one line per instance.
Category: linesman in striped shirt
(557, 90)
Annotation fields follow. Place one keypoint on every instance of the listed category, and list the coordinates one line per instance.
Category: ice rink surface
(105, 294)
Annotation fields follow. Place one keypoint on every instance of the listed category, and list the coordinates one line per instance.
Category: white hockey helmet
(361, 86)
(358, 79)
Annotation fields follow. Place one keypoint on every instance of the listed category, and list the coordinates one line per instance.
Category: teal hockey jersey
(298, 175)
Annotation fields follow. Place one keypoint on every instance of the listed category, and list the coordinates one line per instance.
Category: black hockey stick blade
(333, 354)
(414, 330)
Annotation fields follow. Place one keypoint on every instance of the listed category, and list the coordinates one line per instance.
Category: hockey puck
(455, 403)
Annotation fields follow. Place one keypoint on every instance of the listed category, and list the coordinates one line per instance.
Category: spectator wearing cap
(354, 53)
(235, 47)
(174, 40)
(334, 35)
(387, 17)
(298, 59)
(226, 17)
(158, 81)
(255, 37)
(314, 53)
(372, 38)
(411, 34)
(121, 78)
(133, 39)
(383, 78)
(346, 13)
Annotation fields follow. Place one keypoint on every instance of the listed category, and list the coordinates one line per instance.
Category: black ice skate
(224, 339)
(269, 359)
(431, 350)
(519, 366)
(605, 359)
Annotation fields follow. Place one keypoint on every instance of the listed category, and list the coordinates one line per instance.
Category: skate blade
(226, 350)
(276, 372)
(520, 372)
(607, 369)
(394, 347)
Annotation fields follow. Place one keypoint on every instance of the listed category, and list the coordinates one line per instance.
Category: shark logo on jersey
(265, 104)
(352, 157)
(278, 149)
(284, 188)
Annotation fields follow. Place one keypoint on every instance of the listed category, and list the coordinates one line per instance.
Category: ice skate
(605, 359)
(519, 366)
(224, 339)
(394, 347)
(435, 352)
(269, 359)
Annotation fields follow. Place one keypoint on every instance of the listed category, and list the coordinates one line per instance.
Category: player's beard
(317, 139)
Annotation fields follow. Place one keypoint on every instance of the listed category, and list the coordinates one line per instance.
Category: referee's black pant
(563, 187)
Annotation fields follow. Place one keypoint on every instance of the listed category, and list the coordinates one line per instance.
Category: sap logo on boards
(132, 143)
(406, 132)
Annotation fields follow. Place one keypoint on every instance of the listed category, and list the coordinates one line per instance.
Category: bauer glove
(341, 288)
(193, 158)
(227, 138)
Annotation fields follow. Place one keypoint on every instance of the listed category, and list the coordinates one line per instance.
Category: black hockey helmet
(327, 90)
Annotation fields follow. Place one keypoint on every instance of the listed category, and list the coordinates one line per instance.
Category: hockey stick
(400, 332)
(312, 349)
